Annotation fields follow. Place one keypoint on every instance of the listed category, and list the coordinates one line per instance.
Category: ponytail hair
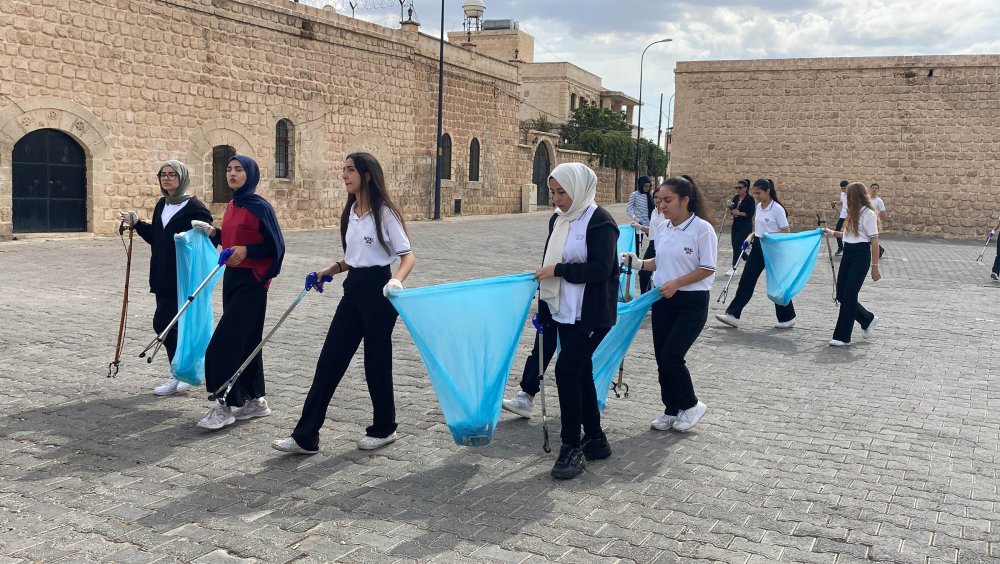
(683, 187)
(768, 184)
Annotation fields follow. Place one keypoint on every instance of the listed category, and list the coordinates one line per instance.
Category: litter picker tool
(312, 281)
(744, 249)
(156, 343)
(540, 328)
(113, 367)
(986, 246)
(820, 221)
(620, 387)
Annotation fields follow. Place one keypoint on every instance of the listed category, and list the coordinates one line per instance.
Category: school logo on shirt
(580, 237)
(688, 250)
(369, 239)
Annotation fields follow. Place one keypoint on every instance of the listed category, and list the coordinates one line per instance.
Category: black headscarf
(643, 180)
(246, 197)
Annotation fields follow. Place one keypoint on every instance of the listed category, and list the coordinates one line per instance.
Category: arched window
(446, 157)
(474, 160)
(283, 149)
(220, 158)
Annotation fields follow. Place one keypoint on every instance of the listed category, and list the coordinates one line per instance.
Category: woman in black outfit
(741, 210)
(578, 285)
(172, 215)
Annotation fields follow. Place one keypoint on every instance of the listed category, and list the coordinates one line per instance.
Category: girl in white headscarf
(579, 286)
(172, 215)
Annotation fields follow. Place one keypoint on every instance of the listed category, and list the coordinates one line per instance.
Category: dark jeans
(166, 309)
(363, 313)
(646, 276)
(840, 227)
(996, 261)
(530, 383)
(751, 273)
(853, 269)
(677, 322)
(575, 382)
(240, 330)
(737, 236)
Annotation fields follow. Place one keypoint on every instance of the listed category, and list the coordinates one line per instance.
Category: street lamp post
(638, 125)
(440, 124)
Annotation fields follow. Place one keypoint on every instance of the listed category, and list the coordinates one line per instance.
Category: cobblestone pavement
(886, 451)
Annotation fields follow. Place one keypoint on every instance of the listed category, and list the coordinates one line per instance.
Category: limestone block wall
(547, 87)
(924, 128)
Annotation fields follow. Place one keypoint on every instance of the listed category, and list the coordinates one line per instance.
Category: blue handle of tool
(312, 281)
(224, 256)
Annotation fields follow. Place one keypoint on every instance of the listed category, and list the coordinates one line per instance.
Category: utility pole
(659, 123)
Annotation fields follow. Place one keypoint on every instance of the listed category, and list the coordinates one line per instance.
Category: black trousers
(677, 322)
(646, 276)
(751, 273)
(166, 309)
(739, 234)
(840, 227)
(240, 330)
(996, 261)
(575, 381)
(530, 382)
(853, 270)
(363, 314)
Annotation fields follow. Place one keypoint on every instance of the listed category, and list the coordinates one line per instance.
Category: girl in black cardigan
(578, 285)
(173, 214)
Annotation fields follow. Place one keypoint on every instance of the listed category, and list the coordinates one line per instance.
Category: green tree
(606, 133)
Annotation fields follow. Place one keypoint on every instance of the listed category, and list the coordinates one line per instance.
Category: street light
(440, 125)
(638, 126)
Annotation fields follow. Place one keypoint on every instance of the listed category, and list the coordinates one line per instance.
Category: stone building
(924, 128)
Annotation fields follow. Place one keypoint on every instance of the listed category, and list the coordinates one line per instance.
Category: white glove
(390, 286)
(828, 231)
(129, 217)
(203, 227)
(624, 259)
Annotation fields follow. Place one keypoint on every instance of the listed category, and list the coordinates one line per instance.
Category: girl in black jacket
(173, 214)
(578, 284)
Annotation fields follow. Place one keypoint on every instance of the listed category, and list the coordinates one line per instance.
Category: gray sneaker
(520, 405)
(252, 408)
(218, 417)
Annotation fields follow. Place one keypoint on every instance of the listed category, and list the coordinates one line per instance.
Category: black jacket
(600, 273)
(163, 254)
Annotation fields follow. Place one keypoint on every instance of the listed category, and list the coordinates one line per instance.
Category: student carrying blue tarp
(790, 259)
(196, 257)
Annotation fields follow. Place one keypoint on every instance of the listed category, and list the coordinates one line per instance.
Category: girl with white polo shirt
(861, 250)
(373, 235)
(769, 217)
(684, 269)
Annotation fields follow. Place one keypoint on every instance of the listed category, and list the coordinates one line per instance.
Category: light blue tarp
(467, 333)
(789, 259)
(626, 244)
(196, 257)
(612, 350)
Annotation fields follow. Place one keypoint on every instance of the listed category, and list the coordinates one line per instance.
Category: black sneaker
(596, 448)
(569, 464)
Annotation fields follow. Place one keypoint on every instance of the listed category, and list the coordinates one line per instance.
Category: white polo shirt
(770, 220)
(867, 228)
(574, 251)
(879, 204)
(654, 221)
(363, 247)
(683, 249)
(843, 204)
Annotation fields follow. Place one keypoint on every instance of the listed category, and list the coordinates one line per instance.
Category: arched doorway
(49, 183)
(540, 174)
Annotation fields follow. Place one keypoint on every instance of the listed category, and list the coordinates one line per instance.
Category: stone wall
(547, 89)
(927, 129)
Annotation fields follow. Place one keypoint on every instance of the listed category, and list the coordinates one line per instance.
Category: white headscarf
(581, 184)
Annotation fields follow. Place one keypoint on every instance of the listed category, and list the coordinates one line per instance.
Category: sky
(607, 38)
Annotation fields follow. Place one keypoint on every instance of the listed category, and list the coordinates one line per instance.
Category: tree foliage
(605, 132)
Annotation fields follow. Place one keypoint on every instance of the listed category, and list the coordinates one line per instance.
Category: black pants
(840, 227)
(646, 276)
(853, 269)
(996, 261)
(166, 309)
(751, 273)
(575, 381)
(530, 383)
(240, 330)
(677, 322)
(739, 234)
(363, 313)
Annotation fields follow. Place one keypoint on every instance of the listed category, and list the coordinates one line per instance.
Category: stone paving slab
(884, 451)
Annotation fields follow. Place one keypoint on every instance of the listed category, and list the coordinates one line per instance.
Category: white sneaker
(688, 418)
(871, 328)
(170, 387)
(730, 272)
(836, 343)
(728, 319)
(288, 444)
(252, 408)
(785, 324)
(217, 418)
(520, 405)
(663, 423)
(372, 443)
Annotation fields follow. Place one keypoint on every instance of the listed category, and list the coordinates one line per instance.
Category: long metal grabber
(113, 367)
(620, 387)
(744, 249)
(540, 328)
(986, 246)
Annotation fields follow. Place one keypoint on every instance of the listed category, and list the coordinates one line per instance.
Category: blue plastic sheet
(196, 257)
(626, 244)
(467, 334)
(609, 354)
(789, 259)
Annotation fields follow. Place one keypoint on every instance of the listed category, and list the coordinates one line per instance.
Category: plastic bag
(196, 257)
(609, 354)
(789, 259)
(626, 244)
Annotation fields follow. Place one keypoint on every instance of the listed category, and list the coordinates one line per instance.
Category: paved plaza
(888, 450)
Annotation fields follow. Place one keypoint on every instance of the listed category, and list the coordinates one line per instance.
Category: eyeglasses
(171, 175)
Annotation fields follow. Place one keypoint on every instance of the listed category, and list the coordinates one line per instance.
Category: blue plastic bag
(789, 259)
(609, 354)
(626, 244)
(196, 257)
(467, 334)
